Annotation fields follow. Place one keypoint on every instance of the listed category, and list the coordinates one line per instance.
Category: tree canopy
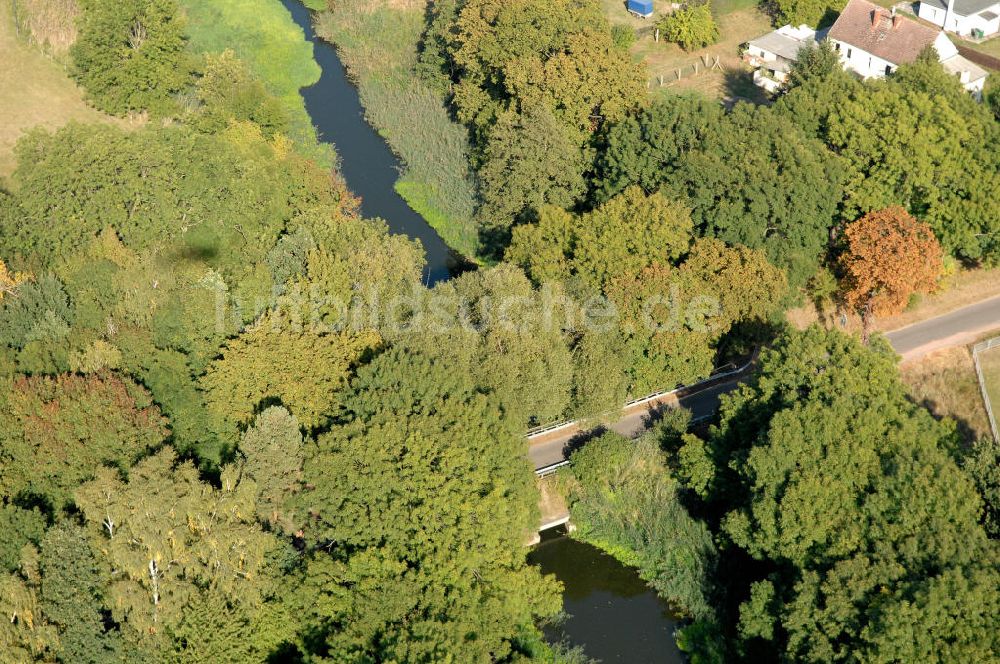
(916, 140)
(632, 266)
(508, 337)
(527, 53)
(56, 432)
(223, 198)
(624, 235)
(236, 426)
(849, 496)
(672, 317)
(529, 161)
(403, 485)
(171, 538)
(690, 26)
(280, 361)
(806, 12)
(749, 176)
(129, 55)
(889, 256)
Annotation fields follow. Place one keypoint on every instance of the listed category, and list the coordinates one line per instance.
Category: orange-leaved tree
(889, 257)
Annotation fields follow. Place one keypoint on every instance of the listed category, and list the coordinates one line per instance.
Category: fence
(706, 63)
(977, 350)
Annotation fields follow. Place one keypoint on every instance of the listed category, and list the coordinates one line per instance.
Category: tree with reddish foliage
(889, 257)
(55, 432)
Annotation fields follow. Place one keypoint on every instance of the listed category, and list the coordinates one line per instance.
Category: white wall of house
(760, 53)
(944, 46)
(862, 62)
(975, 87)
(964, 70)
(931, 13)
(963, 25)
(936, 15)
(870, 66)
(769, 79)
(988, 27)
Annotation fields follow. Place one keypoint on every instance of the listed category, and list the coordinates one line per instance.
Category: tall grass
(378, 45)
(263, 35)
(49, 23)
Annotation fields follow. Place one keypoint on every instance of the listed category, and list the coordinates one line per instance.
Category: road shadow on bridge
(653, 413)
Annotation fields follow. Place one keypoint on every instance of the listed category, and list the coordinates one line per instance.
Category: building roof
(873, 29)
(956, 64)
(785, 42)
(963, 7)
(781, 64)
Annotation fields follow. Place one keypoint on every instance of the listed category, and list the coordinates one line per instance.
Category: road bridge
(549, 448)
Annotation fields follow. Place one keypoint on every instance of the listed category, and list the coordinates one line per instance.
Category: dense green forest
(236, 427)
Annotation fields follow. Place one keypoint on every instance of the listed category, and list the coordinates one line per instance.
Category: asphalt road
(958, 327)
(553, 448)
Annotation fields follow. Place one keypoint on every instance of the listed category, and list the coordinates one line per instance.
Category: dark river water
(368, 165)
(614, 615)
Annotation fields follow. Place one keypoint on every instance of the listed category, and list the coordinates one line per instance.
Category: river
(614, 615)
(367, 164)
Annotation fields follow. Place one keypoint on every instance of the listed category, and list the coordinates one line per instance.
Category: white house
(772, 54)
(873, 42)
(976, 18)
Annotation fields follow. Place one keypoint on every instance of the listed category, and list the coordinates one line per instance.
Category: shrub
(626, 503)
(229, 91)
(273, 47)
(691, 27)
(622, 36)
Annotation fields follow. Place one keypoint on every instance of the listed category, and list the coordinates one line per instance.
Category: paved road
(552, 448)
(961, 326)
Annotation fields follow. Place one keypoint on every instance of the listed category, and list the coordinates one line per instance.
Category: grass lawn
(739, 21)
(989, 47)
(945, 382)
(34, 92)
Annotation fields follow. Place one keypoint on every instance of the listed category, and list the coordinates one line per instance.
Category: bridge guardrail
(715, 375)
(545, 471)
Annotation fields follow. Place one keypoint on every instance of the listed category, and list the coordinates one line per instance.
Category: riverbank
(378, 46)
(611, 613)
(625, 500)
(366, 162)
(273, 47)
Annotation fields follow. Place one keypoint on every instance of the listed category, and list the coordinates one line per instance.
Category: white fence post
(979, 348)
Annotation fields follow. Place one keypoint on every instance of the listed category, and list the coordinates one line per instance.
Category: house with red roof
(873, 41)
